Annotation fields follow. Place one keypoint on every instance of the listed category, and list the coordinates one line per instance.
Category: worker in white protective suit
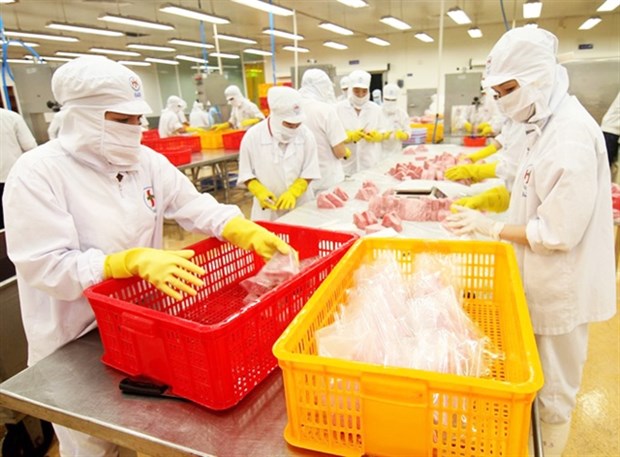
(397, 120)
(199, 118)
(102, 198)
(364, 123)
(278, 157)
(344, 89)
(559, 217)
(317, 103)
(244, 113)
(169, 121)
(376, 96)
(181, 113)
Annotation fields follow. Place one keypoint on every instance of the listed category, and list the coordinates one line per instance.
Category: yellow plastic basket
(210, 139)
(352, 408)
(429, 131)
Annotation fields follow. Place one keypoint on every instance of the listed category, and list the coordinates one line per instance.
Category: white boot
(555, 437)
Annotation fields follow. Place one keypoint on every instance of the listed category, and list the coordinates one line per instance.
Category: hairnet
(232, 91)
(344, 83)
(99, 82)
(391, 92)
(360, 79)
(285, 104)
(316, 84)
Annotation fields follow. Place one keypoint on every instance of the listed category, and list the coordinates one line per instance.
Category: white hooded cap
(316, 84)
(359, 79)
(285, 104)
(344, 83)
(391, 92)
(232, 91)
(99, 82)
(174, 103)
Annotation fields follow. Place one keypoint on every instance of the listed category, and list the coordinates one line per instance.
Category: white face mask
(390, 106)
(235, 102)
(358, 102)
(518, 105)
(281, 133)
(120, 143)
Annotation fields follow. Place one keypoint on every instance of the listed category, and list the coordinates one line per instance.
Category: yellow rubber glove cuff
(483, 126)
(347, 153)
(467, 126)
(251, 236)
(169, 271)
(482, 153)
(353, 136)
(475, 172)
(401, 135)
(266, 198)
(222, 126)
(387, 135)
(249, 122)
(496, 200)
(487, 131)
(289, 198)
(373, 136)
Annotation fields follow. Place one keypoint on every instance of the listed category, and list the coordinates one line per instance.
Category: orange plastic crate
(352, 408)
(233, 139)
(212, 348)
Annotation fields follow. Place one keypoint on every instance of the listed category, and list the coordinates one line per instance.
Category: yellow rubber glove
(222, 126)
(251, 236)
(249, 122)
(169, 271)
(288, 199)
(373, 136)
(353, 136)
(387, 135)
(467, 126)
(495, 199)
(347, 154)
(401, 135)
(475, 172)
(482, 153)
(485, 129)
(266, 198)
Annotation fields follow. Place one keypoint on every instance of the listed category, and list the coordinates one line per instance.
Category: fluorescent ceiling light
(42, 36)
(335, 28)
(224, 55)
(531, 25)
(114, 52)
(609, 5)
(136, 22)
(258, 52)
(282, 34)
(532, 9)
(134, 63)
(268, 7)
(75, 54)
(422, 36)
(394, 22)
(590, 23)
(354, 3)
(150, 47)
(295, 48)
(194, 14)
(236, 39)
(190, 59)
(475, 32)
(7, 1)
(83, 29)
(377, 41)
(193, 44)
(334, 45)
(20, 43)
(164, 61)
(24, 61)
(459, 16)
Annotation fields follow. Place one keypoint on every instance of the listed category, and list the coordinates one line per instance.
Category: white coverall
(199, 117)
(246, 110)
(168, 123)
(277, 165)
(54, 128)
(16, 139)
(396, 118)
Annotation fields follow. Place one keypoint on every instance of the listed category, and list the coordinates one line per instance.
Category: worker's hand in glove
(373, 136)
(288, 199)
(265, 197)
(347, 154)
(386, 135)
(169, 271)
(251, 236)
(473, 171)
(353, 136)
(468, 221)
(496, 199)
(485, 129)
(220, 127)
(467, 126)
(482, 153)
(401, 135)
(249, 122)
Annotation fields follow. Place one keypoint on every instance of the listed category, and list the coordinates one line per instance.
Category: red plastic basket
(474, 140)
(179, 156)
(232, 140)
(152, 134)
(174, 143)
(212, 348)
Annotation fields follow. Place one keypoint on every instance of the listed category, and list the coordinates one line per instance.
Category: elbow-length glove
(289, 198)
(496, 200)
(266, 198)
(482, 153)
(250, 122)
(475, 172)
(220, 127)
(251, 236)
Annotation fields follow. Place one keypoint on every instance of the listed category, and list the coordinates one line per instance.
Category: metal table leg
(537, 436)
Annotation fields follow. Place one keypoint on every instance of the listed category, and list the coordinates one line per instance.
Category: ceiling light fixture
(590, 23)
(83, 29)
(20, 43)
(193, 44)
(76, 54)
(50, 58)
(608, 5)
(134, 63)
(164, 61)
(475, 32)
(194, 14)
(258, 52)
(190, 58)
(334, 45)
(225, 55)
(116, 52)
(7, 1)
(377, 41)
(282, 34)
(42, 36)
(236, 39)
(135, 22)
(459, 16)
(354, 3)
(531, 25)
(532, 9)
(335, 28)
(425, 37)
(395, 22)
(24, 61)
(267, 7)
(295, 49)
(150, 47)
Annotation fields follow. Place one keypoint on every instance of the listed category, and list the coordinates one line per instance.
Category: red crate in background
(232, 140)
(191, 142)
(178, 156)
(213, 348)
(152, 134)
(474, 140)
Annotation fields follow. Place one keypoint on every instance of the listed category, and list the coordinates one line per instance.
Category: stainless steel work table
(73, 388)
(218, 160)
